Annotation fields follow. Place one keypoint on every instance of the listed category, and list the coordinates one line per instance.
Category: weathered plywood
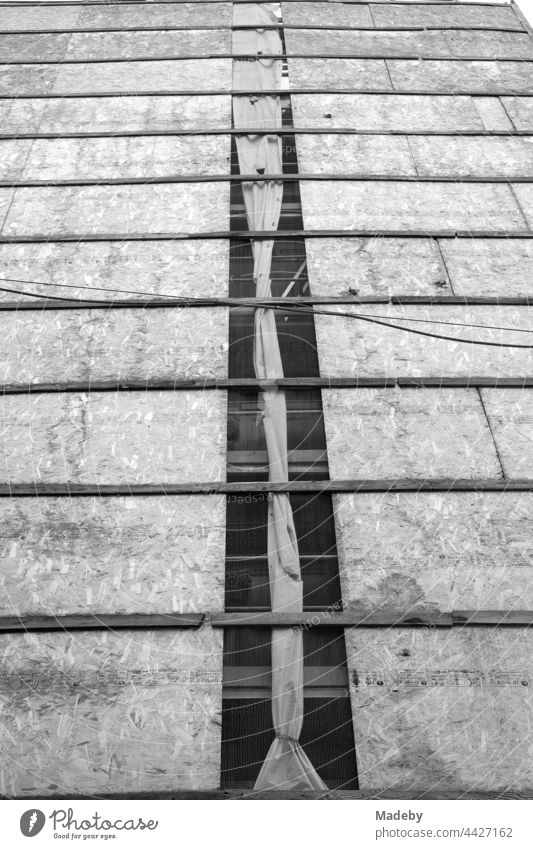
(361, 42)
(28, 18)
(112, 45)
(463, 15)
(6, 197)
(386, 112)
(493, 114)
(375, 266)
(472, 157)
(350, 347)
(168, 75)
(17, 116)
(106, 438)
(524, 193)
(469, 76)
(488, 45)
(124, 269)
(154, 15)
(323, 14)
(25, 79)
(122, 114)
(339, 73)
(128, 344)
(61, 556)
(510, 413)
(490, 266)
(389, 206)
(128, 209)
(13, 156)
(330, 154)
(426, 433)
(435, 551)
(147, 156)
(520, 110)
(129, 712)
(55, 47)
(33, 47)
(439, 710)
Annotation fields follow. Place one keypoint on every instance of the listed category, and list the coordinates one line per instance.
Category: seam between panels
(489, 425)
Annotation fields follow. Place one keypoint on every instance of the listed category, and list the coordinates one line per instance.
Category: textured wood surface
(127, 270)
(389, 112)
(135, 209)
(111, 555)
(442, 709)
(408, 206)
(108, 438)
(408, 433)
(435, 551)
(102, 712)
(510, 413)
(99, 345)
(490, 267)
(474, 76)
(521, 112)
(114, 114)
(351, 347)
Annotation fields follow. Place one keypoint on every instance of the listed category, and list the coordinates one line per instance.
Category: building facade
(266, 493)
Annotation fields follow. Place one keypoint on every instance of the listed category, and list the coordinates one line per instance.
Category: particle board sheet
(327, 14)
(493, 114)
(408, 433)
(352, 347)
(435, 551)
(394, 206)
(351, 154)
(479, 45)
(471, 76)
(113, 437)
(442, 710)
(460, 15)
(124, 209)
(144, 156)
(520, 110)
(139, 77)
(386, 112)
(123, 270)
(155, 554)
(494, 267)
(115, 114)
(13, 157)
(339, 73)
(102, 16)
(123, 712)
(510, 413)
(524, 193)
(57, 47)
(376, 266)
(45, 346)
(6, 198)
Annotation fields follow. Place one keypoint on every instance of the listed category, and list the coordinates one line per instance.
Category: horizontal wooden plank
(73, 490)
(216, 54)
(338, 795)
(275, 92)
(327, 619)
(230, 131)
(104, 622)
(245, 235)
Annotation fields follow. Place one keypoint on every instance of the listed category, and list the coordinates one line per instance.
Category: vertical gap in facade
(327, 733)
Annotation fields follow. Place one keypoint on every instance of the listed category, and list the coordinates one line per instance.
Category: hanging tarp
(286, 766)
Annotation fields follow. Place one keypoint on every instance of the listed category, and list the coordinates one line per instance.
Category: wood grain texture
(147, 156)
(340, 15)
(92, 17)
(350, 347)
(491, 267)
(128, 437)
(408, 205)
(520, 111)
(111, 555)
(102, 712)
(473, 76)
(375, 266)
(459, 16)
(435, 551)
(442, 709)
(408, 433)
(510, 413)
(387, 112)
(127, 270)
(339, 73)
(134, 209)
(364, 155)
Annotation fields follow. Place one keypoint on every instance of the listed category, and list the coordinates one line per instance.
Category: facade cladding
(248, 256)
